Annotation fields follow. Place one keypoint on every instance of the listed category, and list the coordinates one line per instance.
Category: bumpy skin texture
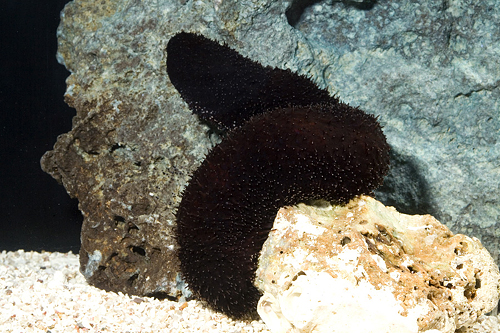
(282, 156)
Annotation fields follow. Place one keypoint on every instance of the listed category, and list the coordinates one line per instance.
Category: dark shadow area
(161, 295)
(37, 213)
(404, 187)
(361, 5)
(297, 7)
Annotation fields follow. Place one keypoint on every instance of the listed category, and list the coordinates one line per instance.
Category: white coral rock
(365, 267)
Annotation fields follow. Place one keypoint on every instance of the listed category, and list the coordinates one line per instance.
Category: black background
(36, 213)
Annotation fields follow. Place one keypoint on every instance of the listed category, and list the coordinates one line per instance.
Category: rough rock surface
(131, 149)
(366, 267)
(430, 70)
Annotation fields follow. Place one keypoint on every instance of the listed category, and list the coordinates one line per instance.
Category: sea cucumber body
(226, 89)
(282, 157)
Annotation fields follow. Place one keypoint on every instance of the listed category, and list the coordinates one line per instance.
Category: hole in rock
(115, 147)
(296, 9)
(346, 240)
(118, 218)
(361, 5)
(297, 275)
(139, 250)
(132, 279)
(470, 292)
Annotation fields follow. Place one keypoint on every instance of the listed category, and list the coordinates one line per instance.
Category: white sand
(45, 292)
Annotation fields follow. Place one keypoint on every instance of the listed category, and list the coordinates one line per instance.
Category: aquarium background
(430, 70)
(37, 213)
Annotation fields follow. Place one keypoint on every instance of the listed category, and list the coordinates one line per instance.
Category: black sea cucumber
(280, 155)
(225, 88)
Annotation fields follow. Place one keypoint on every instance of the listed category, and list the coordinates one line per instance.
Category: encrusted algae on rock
(431, 279)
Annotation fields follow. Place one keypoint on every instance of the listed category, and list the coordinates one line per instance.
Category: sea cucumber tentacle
(322, 151)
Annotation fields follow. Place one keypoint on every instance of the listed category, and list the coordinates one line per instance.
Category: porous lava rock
(366, 267)
(130, 152)
(126, 160)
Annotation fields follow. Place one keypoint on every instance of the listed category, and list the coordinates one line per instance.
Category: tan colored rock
(484, 324)
(366, 267)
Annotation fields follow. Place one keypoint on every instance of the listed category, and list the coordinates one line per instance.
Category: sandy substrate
(45, 292)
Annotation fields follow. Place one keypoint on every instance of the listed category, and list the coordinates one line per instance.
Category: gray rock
(431, 71)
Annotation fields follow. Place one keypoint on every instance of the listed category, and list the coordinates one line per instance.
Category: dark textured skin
(279, 158)
(282, 155)
(225, 88)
